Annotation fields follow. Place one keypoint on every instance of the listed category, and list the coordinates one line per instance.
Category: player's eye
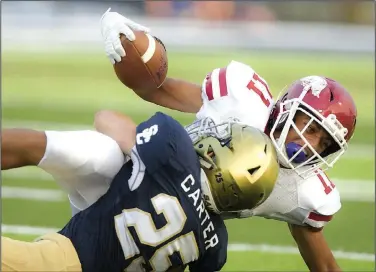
(311, 129)
(326, 144)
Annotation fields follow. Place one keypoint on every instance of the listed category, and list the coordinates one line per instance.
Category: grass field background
(64, 90)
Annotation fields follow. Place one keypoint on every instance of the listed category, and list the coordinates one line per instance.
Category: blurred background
(55, 75)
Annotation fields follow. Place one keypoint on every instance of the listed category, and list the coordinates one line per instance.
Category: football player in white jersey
(310, 125)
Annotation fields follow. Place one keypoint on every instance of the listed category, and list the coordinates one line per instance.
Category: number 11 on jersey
(259, 81)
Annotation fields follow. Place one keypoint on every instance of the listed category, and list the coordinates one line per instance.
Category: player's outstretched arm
(175, 93)
(66, 155)
(82, 162)
(314, 248)
(21, 147)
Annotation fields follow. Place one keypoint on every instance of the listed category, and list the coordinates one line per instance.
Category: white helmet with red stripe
(328, 104)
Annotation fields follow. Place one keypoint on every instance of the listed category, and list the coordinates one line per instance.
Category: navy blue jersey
(153, 216)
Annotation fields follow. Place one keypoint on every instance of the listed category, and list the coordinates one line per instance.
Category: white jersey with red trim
(237, 91)
(298, 201)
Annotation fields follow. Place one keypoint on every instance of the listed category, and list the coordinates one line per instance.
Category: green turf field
(56, 91)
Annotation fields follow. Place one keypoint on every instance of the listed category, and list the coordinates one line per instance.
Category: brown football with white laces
(145, 64)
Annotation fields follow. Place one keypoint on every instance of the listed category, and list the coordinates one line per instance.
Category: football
(145, 64)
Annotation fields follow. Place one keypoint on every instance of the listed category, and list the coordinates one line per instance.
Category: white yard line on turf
(47, 195)
(361, 151)
(340, 254)
(350, 190)
(26, 230)
(44, 125)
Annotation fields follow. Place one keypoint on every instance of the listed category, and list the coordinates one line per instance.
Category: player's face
(318, 138)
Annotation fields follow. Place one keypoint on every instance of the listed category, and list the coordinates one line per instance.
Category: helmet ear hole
(265, 149)
(253, 170)
(212, 154)
(331, 96)
(210, 151)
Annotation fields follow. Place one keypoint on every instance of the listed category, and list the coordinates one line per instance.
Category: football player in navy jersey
(162, 209)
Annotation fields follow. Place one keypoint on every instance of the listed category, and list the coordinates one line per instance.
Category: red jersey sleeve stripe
(319, 217)
(222, 82)
(209, 87)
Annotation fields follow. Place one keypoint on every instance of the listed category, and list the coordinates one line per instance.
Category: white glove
(112, 25)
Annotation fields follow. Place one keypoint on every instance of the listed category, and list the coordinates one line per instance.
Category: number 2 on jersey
(149, 235)
(252, 86)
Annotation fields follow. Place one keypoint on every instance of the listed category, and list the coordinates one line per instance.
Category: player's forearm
(21, 147)
(314, 249)
(117, 126)
(175, 94)
(317, 262)
(320, 265)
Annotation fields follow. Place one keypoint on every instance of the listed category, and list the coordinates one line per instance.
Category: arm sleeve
(83, 163)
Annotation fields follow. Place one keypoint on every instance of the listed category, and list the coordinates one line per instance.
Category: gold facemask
(241, 170)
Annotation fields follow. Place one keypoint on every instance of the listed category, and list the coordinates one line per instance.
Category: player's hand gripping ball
(145, 64)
